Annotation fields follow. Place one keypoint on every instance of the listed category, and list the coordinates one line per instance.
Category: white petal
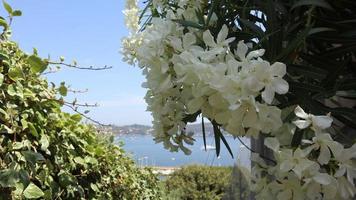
(322, 122)
(302, 124)
(272, 143)
(208, 39)
(241, 50)
(286, 166)
(303, 165)
(278, 69)
(280, 85)
(340, 172)
(188, 40)
(336, 148)
(322, 178)
(222, 34)
(223, 117)
(250, 118)
(255, 54)
(286, 194)
(324, 156)
(195, 104)
(268, 95)
(300, 112)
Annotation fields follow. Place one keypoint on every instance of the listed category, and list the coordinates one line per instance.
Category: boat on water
(208, 148)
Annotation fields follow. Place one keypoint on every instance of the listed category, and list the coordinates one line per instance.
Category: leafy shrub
(49, 154)
(198, 183)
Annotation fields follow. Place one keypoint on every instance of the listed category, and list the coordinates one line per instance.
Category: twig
(264, 157)
(77, 67)
(80, 105)
(85, 116)
(77, 91)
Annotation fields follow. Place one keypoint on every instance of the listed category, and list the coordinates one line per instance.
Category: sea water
(146, 152)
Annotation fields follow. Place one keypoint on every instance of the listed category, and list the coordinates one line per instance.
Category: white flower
(288, 189)
(347, 164)
(271, 77)
(318, 123)
(131, 15)
(221, 40)
(326, 145)
(241, 52)
(295, 161)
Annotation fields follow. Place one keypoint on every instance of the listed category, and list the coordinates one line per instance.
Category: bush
(49, 154)
(198, 183)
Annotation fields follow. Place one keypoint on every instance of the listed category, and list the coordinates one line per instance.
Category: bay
(146, 152)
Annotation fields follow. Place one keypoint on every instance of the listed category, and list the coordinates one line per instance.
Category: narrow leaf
(217, 138)
(318, 3)
(226, 144)
(7, 7)
(203, 129)
(189, 23)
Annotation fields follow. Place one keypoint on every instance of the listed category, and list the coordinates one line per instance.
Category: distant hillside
(145, 130)
(131, 129)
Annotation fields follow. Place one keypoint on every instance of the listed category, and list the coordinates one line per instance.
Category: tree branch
(77, 67)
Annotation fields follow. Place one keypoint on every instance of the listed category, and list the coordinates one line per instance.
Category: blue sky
(89, 32)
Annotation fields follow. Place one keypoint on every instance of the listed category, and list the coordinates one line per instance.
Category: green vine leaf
(37, 64)
(32, 191)
(7, 7)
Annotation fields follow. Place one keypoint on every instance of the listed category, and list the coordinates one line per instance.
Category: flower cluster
(185, 76)
(192, 71)
(320, 168)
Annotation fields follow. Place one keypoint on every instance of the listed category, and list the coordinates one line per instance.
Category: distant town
(138, 129)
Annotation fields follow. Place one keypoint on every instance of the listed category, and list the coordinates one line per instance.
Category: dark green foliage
(198, 183)
(49, 154)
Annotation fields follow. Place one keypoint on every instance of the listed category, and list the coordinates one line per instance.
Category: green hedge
(49, 154)
(198, 183)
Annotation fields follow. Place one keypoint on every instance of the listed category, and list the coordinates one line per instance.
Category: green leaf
(297, 138)
(335, 73)
(63, 89)
(79, 160)
(3, 23)
(189, 23)
(1, 79)
(76, 117)
(32, 157)
(17, 13)
(348, 84)
(37, 64)
(191, 117)
(308, 71)
(252, 26)
(17, 145)
(214, 4)
(15, 73)
(293, 45)
(7, 7)
(44, 141)
(11, 90)
(8, 178)
(320, 30)
(217, 138)
(203, 130)
(306, 87)
(318, 3)
(33, 129)
(32, 191)
(218, 135)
